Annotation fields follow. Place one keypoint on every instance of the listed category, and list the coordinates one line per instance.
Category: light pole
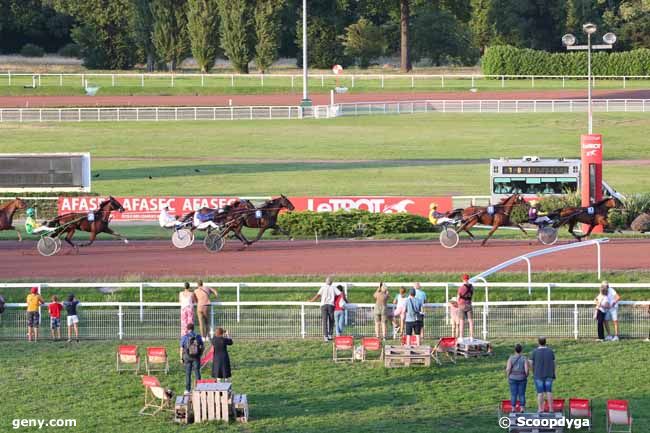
(306, 102)
(569, 40)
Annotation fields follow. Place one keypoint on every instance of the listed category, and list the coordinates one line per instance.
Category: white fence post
(532, 81)
(353, 81)
(141, 303)
(548, 297)
(232, 80)
(141, 80)
(238, 301)
(382, 81)
(202, 80)
(322, 80)
(211, 320)
(412, 81)
(446, 303)
(485, 321)
(624, 81)
(120, 321)
(172, 79)
(60, 80)
(575, 321)
(112, 80)
(442, 81)
(9, 76)
(302, 321)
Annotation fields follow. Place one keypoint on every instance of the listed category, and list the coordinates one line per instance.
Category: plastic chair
(505, 408)
(446, 346)
(410, 340)
(580, 408)
(371, 344)
(156, 398)
(127, 359)
(343, 343)
(156, 360)
(618, 414)
(210, 380)
(558, 406)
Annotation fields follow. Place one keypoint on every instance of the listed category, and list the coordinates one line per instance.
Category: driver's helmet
(30, 212)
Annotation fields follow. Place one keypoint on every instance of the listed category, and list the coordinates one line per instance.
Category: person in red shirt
(465, 293)
(55, 308)
(339, 311)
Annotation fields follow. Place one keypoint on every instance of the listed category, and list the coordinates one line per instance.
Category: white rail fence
(322, 80)
(250, 319)
(134, 114)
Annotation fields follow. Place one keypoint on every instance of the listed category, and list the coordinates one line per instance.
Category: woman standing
(339, 311)
(187, 299)
(517, 373)
(221, 360)
(602, 306)
(381, 315)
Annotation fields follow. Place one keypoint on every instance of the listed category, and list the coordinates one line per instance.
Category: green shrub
(553, 202)
(352, 223)
(519, 214)
(70, 50)
(32, 50)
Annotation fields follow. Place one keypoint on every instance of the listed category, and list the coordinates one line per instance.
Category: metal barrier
(275, 320)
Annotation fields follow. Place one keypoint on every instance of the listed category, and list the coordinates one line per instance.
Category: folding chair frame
(119, 363)
(589, 409)
(365, 350)
(152, 366)
(335, 350)
(611, 425)
(448, 351)
(154, 404)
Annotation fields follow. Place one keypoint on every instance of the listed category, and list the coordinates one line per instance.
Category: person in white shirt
(612, 314)
(166, 219)
(327, 295)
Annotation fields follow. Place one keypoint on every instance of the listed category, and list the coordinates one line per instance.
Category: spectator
(339, 310)
(612, 313)
(453, 315)
(412, 320)
(543, 360)
(202, 295)
(2, 304)
(192, 347)
(381, 317)
(602, 306)
(34, 302)
(187, 299)
(465, 293)
(73, 319)
(399, 312)
(517, 373)
(327, 294)
(55, 309)
(422, 298)
(221, 360)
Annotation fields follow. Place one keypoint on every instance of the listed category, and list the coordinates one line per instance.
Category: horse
(500, 217)
(263, 218)
(222, 217)
(80, 221)
(593, 215)
(7, 212)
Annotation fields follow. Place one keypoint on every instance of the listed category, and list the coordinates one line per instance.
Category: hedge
(508, 60)
(352, 223)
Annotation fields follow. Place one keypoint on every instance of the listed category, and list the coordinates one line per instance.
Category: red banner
(148, 208)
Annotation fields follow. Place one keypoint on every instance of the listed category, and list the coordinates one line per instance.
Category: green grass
(295, 387)
(409, 154)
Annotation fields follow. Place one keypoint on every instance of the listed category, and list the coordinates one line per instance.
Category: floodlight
(568, 39)
(589, 28)
(609, 38)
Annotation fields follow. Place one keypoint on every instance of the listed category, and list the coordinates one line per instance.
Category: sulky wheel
(47, 246)
(182, 238)
(449, 238)
(214, 241)
(547, 235)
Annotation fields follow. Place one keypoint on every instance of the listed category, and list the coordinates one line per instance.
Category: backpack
(193, 348)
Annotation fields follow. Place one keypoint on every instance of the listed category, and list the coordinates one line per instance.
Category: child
(73, 320)
(453, 314)
(55, 308)
(399, 313)
(34, 302)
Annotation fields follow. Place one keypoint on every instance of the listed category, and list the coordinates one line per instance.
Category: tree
(142, 24)
(266, 17)
(363, 41)
(170, 30)
(203, 30)
(235, 30)
(405, 54)
(324, 49)
(480, 24)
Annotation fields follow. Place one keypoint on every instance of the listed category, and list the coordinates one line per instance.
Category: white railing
(322, 80)
(273, 320)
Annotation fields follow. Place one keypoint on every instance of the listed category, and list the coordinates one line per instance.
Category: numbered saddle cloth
(591, 210)
(91, 216)
(258, 214)
(490, 210)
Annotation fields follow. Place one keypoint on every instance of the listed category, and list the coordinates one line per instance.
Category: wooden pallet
(212, 401)
(183, 409)
(532, 429)
(407, 356)
(474, 348)
(240, 407)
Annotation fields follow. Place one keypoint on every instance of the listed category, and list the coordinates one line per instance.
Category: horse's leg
(110, 231)
(466, 226)
(68, 239)
(239, 235)
(260, 233)
(283, 231)
(490, 233)
(93, 236)
(572, 224)
(522, 229)
(591, 227)
(20, 238)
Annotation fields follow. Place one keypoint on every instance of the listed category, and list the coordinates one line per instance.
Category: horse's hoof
(291, 239)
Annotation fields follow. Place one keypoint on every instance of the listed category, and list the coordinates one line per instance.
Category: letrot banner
(148, 208)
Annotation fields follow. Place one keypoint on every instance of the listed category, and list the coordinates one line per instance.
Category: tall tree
(203, 30)
(170, 30)
(405, 49)
(266, 18)
(363, 41)
(143, 29)
(235, 32)
(480, 24)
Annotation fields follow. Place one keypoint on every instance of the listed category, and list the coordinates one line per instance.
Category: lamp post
(306, 102)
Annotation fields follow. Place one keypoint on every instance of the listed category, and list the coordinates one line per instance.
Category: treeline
(117, 34)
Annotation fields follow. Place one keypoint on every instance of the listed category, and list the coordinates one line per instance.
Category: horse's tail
(458, 212)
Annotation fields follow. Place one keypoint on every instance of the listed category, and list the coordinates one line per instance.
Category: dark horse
(263, 218)
(7, 212)
(593, 215)
(80, 221)
(500, 217)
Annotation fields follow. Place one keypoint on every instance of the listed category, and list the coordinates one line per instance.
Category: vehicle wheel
(47, 246)
(58, 244)
(449, 238)
(182, 238)
(214, 241)
(547, 235)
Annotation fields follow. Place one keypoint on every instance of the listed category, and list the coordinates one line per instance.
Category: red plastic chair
(505, 407)
(618, 414)
(371, 344)
(156, 360)
(580, 408)
(410, 340)
(156, 398)
(558, 406)
(128, 355)
(446, 346)
(343, 343)
(211, 380)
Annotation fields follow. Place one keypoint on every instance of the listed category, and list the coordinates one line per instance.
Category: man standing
(413, 309)
(34, 301)
(465, 293)
(327, 294)
(612, 314)
(202, 295)
(192, 346)
(543, 361)
(422, 299)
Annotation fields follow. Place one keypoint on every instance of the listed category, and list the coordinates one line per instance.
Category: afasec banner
(148, 208)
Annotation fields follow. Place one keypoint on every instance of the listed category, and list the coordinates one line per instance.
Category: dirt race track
(154, 259)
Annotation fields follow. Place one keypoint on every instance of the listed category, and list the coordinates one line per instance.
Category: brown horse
(263, 218)
(7, 212)
(80, 221)
(593, 215)
(499, 217)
